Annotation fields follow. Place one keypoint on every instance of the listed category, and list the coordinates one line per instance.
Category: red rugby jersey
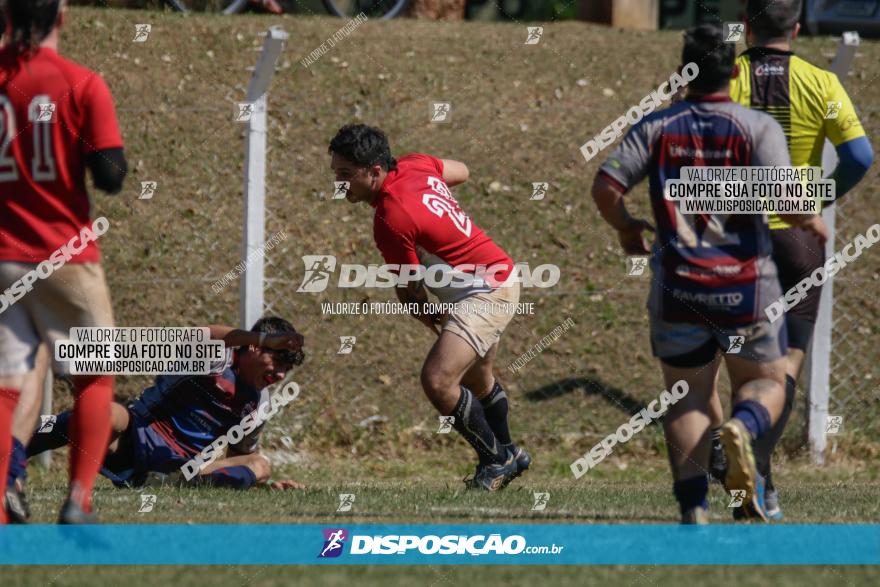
(418, 221)
(53, 113)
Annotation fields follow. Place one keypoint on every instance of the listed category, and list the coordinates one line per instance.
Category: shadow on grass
(589, 386)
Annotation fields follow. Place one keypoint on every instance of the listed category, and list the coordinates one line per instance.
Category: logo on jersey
(721, 300)
(346, 345)
(142, 32)
(319, 268)
(733, 31)
(737, 496)
(541, 501)
(833, 424)
(346, 502)
(446, 423)
(340, 189)
(148, 190)
(539, 190)
(735, 344)
(636, 266)
(442, 202)
(766, 69)
(440, 111)
(148, 502)
(334, 541)
(832, 110)
(534, 35)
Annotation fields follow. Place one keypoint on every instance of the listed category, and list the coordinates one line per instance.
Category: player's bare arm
(454, 172)
(609, 200)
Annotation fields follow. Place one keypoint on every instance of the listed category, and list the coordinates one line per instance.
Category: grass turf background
(519, 115)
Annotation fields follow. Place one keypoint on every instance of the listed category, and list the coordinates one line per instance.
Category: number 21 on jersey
(40, 113)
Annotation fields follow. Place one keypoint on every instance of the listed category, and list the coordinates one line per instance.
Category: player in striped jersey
(811, 106)
(712, 273)
(177, 418)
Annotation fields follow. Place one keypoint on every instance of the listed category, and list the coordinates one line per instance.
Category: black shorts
(797, 253)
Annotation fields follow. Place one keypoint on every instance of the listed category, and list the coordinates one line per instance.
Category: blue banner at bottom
(413, 544)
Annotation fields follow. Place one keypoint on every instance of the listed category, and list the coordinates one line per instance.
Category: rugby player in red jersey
(56, 121)
(419, 224)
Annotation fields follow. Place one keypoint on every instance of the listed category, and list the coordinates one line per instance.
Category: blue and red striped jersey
(708, 266)
(188, 412)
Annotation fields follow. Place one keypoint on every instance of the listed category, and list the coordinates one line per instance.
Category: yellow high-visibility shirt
(808, 102)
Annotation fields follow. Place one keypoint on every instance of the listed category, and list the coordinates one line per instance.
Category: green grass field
(430, 491)
(362, 425)
(425, 494)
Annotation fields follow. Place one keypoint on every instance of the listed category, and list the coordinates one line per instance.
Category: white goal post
(254, 238)
(818, 363)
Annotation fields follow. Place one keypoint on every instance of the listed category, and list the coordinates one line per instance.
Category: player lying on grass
(418, 222)
(712, 273)
(176, 419)
(811, 105)
(57, 121)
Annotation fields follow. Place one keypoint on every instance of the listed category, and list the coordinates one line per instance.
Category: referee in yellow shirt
(811, 105)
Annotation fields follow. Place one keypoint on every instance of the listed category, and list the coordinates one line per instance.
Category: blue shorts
(686, 345)
(141, 450)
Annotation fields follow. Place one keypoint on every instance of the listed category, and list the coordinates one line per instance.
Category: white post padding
(251, 304)
(819, 358)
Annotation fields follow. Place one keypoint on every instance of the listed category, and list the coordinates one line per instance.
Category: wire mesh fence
(855, 369)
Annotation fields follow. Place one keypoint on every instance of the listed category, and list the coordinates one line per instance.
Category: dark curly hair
(363, 145)
(704, 45)
(32, 21)
(273, 325)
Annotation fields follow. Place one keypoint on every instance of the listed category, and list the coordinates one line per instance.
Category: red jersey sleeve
(395, 234)
(100, 127)
(426, 162)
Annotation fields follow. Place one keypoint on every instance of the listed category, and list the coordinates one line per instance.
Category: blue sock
(692, 492)
(17, 464)
(755, 417)
(238, 477)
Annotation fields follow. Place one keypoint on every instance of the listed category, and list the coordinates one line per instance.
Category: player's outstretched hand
(286, 484)
(284, 340)
(631, 238)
